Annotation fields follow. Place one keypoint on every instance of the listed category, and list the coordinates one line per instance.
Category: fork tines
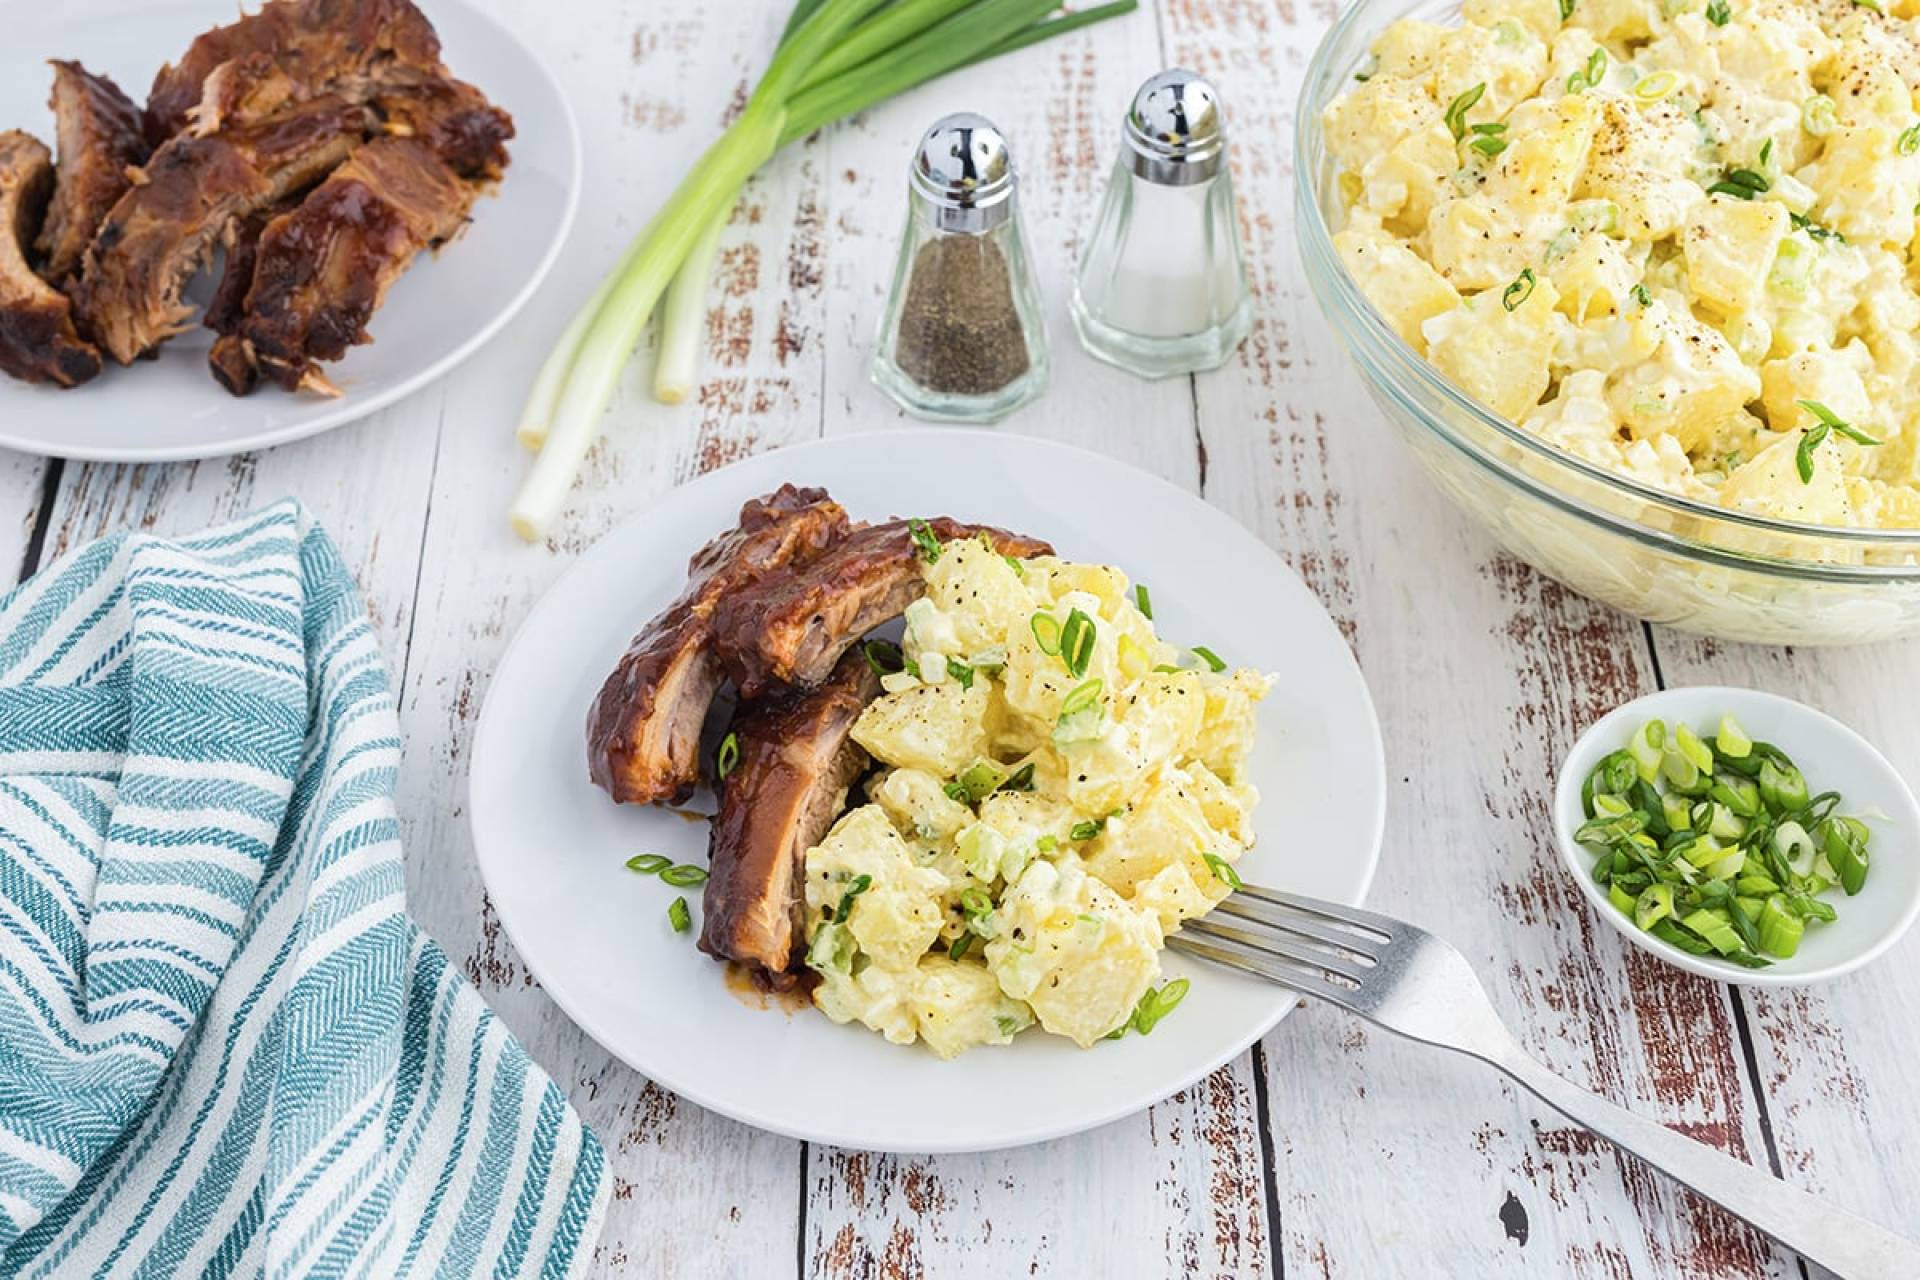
(1320, 948)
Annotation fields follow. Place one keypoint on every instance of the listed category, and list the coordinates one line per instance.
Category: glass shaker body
(963, 338)
(1162, 288)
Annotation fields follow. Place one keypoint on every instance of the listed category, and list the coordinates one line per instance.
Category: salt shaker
(1162, 288)
(963, 338)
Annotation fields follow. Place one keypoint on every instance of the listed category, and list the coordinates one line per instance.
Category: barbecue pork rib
(796, 765)
(321, 271)
(288, 52)
(643, 733)
(229, 360)
(451, 116)
(791, 628)
(100, 136)
(162, 231)
(37, 338)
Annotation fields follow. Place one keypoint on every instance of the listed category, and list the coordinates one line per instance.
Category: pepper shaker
(963, 338)
(1162, 287)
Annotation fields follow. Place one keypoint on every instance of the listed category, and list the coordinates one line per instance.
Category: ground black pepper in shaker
(963, 338)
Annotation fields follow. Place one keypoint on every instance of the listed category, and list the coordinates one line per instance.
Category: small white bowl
(1834, 758)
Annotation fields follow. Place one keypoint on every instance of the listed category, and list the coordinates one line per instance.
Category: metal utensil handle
(1850, 1247)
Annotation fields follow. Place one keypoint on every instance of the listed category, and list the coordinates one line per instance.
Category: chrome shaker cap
(1175, 133)
(963, 174)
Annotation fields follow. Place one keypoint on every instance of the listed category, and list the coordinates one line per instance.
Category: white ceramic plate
(438, 314)
(551, 846)
(1833, 757)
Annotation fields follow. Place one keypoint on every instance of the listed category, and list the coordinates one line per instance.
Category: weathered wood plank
(22, 488)
(1177, 1191)
(693, 1194)
(1835, 1060)
(1483, 673)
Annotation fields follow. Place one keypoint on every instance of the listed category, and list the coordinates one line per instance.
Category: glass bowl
(1653, 554)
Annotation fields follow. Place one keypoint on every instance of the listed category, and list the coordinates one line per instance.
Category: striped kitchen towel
(224, 1048)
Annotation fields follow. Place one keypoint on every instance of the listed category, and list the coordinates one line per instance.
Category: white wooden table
(1327, 1151)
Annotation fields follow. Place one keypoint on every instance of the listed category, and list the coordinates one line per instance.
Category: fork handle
(1847, 1245)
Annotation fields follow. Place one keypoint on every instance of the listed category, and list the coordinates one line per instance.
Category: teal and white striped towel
(224, 1048)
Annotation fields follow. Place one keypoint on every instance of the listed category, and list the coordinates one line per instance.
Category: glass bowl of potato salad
(1639, 280)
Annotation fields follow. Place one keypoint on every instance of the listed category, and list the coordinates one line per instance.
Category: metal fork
(1412, 983)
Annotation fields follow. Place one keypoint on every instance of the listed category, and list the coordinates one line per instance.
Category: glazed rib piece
(100, 139)
(37, 338)
(229, 360)
(290, 51)
(643, 733)
(796, 764)
(451, 116)
(322, 270)
(791, 628)
(162, 231)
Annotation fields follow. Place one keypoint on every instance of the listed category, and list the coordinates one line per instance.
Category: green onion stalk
(836, 58)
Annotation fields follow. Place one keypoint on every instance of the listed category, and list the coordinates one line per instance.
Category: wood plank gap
(800, 1234)
(1199, 439)
(1269, 1167)
(1653, 655)
(43, 517)
(420, 565)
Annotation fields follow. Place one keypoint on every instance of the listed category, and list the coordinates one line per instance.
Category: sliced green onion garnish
(1020, 779)
(1818, 115)
(1519, 291)
(924, 540)
(1719, 13)
(1143, 601)
(1223, 870)
(679, 916)
(1156, 1005)
(961, 672)
(857, 886)
(1046, 633)
(977, 781)
(1909, 141)
(1652, 88)
(960, 947)
(728, 756)
(684, 876)
(975, 902)
(1046, 844)
(648, 864)
(1076, 643)
(1213, 660)
(1732, 741)
(1456, 113)
(1081, 697)
(1020, 570)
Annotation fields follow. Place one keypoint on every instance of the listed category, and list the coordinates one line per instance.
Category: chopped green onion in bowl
(1716, 843)
(1782, 779)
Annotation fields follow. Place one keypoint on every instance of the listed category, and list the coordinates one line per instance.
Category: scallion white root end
(683, 320)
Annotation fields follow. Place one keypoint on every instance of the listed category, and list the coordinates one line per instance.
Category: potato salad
(1058, 788)
(1676, 238)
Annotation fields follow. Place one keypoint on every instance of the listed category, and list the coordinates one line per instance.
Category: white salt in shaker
(1162, 288)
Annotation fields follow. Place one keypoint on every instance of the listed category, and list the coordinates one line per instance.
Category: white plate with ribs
(553, 847)
(493, 241)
